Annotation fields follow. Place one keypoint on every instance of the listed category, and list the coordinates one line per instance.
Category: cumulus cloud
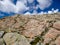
(53, 11)
(23, 1)
(7, 7)
(50, 12)
(44, 4)
(57, 10)
(30, 1)
(27, 13)
(7, 0)
(34, 12)
(20, 7)
(41, 13)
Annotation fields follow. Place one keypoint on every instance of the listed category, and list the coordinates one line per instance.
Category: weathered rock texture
(15, 39)
(30, 30)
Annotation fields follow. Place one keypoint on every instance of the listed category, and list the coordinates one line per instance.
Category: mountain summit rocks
(30, 30)
(34, 28)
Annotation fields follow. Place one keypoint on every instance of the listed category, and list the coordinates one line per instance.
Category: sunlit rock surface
(30, 30)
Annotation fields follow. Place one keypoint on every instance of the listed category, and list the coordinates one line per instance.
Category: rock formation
(30, 30)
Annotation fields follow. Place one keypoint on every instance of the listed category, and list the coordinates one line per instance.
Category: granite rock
(15, 39)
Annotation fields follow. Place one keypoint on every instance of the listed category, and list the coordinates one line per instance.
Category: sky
(12, 7)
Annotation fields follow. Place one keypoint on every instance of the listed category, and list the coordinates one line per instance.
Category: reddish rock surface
(34, 28)
(57, 42)
(38, 29)
(57, 25)
(51, 35)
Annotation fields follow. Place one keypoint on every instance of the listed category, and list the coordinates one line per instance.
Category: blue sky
(12, 7)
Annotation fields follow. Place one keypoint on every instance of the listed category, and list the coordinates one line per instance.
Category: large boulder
(15, 39)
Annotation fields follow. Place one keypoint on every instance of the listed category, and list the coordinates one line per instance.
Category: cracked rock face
(33, 28)
(51, 34)
(30, 30)
(15, 39)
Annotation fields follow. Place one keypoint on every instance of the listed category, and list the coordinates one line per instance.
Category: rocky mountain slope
(30, 30)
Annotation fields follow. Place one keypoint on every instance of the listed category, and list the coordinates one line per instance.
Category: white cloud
(7, 0)
(24, 1)
(34, 12)
(57, 10)
(7, 7)
(44, 4)
(41, 13)
(52, 9)
(50, 12)
(27, 13)
(30, 1)
(21, 7)
(45, 13)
